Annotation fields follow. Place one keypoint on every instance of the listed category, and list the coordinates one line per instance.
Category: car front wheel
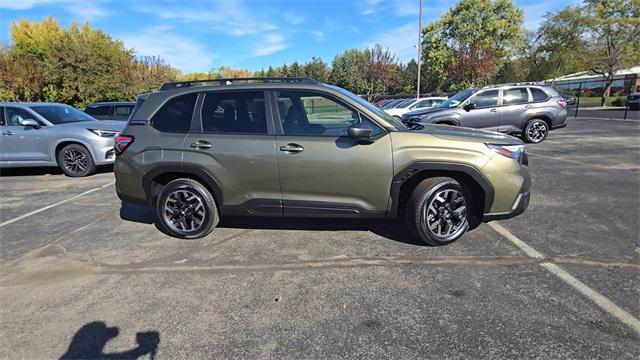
(186, 209)
(438, 210)
(76, 161)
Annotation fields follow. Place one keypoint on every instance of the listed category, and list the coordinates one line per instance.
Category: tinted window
(485, 99)
(61, 114)
(2, 116)
(234, 112)
(98, 110)
(515, 96)
(304, 113)
(422, 104)
(176, 114)
(538, 94)
(123, 110)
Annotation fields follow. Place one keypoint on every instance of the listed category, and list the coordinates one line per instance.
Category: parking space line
(603, 302)
(54, 205)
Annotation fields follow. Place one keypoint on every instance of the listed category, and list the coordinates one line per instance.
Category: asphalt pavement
(84, 276)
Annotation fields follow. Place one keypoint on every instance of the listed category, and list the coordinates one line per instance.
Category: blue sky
(199, 35)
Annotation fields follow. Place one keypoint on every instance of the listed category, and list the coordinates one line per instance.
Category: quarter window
(123, 110)
(175, 115)
(538, 94)
(515, 96)
(234, 112)
(485, 99)
(303, 113)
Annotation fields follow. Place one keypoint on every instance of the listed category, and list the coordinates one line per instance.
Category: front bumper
(521, 204)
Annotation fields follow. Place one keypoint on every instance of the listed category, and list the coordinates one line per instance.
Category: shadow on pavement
(90, 340)
(34, 171)
(395, 230)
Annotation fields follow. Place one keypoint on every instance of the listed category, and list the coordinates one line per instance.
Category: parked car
(571, 100)
(196, 153)
(414, 104)
(380, 103)
(633, 101)
(393, 103)
(110, 110)
(52, 134)
(530, 111)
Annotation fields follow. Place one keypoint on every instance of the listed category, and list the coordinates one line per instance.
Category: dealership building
(592, 84)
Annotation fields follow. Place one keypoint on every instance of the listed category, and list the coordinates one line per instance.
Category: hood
(98, 124)
(426, 111)
(467, 134)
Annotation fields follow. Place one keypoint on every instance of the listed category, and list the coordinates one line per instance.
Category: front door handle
(8, 133)
(201, 144)
(493, 110)
(292, 148)
(528, 106)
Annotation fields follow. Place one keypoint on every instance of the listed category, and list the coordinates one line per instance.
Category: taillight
(122, 142)
(562, 102)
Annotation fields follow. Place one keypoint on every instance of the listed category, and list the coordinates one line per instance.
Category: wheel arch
(60, 143)
(156, 178)
(406, 180)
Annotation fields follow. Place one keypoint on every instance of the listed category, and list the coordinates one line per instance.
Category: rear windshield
(61, 114)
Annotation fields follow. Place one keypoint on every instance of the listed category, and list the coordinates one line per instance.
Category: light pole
(419, 48)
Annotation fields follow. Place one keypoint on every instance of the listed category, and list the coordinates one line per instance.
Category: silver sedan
(53, 134)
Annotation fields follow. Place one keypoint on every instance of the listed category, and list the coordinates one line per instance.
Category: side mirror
(469, 107)
(359, 132)
(30, 123)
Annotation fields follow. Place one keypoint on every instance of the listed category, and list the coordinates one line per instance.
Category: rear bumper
(521, 204)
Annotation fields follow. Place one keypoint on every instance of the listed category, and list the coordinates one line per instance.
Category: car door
(232, 138)
(483, 113)
(323, 172)
(515, 103)
(23, 143)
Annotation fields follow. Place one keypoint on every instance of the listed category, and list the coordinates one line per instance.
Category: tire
(535, 131)
(76, 161)
(422, 218)
(188, 198)
(397, 117)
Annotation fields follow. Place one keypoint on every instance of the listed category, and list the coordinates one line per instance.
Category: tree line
(476, 42)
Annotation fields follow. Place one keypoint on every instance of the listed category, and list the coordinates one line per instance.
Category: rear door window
(175, 115)
(123, 110)
(234, 112)
(515, 96)
(99, 110)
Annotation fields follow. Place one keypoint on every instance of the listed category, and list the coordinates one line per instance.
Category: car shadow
(48, 170)
(90, 340)
(395, 230)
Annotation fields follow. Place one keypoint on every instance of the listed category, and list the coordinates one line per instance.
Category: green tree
(316, 69)
(295, 70)
(346, 72)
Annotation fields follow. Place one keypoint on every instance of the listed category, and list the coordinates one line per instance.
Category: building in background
(590, 84)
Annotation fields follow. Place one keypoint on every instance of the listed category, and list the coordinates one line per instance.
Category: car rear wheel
(535, 131)
(76, 161)
(438, 210)
(186, 209)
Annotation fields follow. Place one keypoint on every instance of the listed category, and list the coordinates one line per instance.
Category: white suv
(414, 104)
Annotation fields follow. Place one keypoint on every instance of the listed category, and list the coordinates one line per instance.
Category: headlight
(104, 133)
(516, 152)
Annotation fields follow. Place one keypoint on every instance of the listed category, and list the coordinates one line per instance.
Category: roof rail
(231, 81)
(514, 84)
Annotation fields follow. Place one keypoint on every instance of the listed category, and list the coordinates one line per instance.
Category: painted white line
(54, 205)
(603, 302)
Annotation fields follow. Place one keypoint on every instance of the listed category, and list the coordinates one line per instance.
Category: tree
(376, 65)
(316, 69)
(295, 70)
(347, 73)
(612, 29)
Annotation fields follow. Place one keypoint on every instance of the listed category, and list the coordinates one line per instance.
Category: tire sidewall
(426, 197)
(90, 164)
(211, 212)
(526, 131)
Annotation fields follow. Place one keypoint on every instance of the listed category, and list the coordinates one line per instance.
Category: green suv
(295, 147)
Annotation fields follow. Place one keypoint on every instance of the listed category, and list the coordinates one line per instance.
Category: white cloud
(406, 7)
(83, 10)
(293, 18)
(367, 12)
(178, 51)
(401, 41)
(226, 16)
(269, 44)
(318, 35)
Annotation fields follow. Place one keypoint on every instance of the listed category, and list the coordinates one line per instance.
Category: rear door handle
(292, 148)
(201, 144)
(8, 132)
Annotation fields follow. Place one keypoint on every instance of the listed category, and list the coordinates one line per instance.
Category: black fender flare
(416, 167)
(189, 170)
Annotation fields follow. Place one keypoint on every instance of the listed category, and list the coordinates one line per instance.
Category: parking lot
(560, 281)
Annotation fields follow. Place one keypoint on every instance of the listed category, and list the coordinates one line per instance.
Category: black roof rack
(513, 84)
(231, 81)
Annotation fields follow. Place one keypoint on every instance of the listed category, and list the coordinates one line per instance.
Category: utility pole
(419, 48)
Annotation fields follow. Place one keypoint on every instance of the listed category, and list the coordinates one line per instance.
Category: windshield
(404, 104)
(391, 104)
(369, 106)
(456, 99)
(61, 114)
